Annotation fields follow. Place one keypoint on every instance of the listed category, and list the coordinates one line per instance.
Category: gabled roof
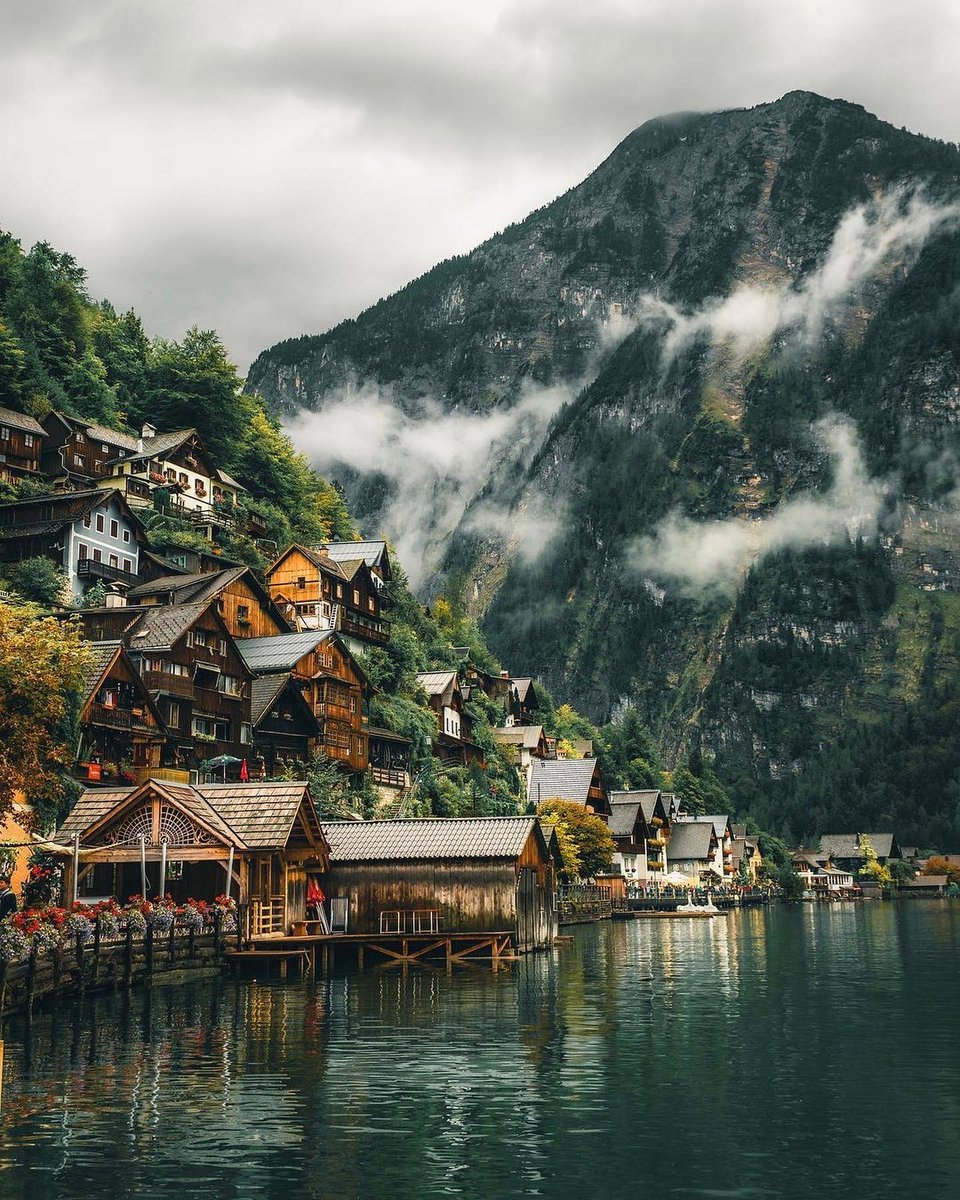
(101, 658)
(229, 480)
(690, 840)
(525, 689)
(647, 799)
(160, 627)
(847, 845)
(252, 816)
(162, 443)
(74, 506)
(562, 779)
(267, 655)
(264, 692)
(18, 420)
(321, 561)
(98, 433)
(719, 823)
(437, 683)
(527, 736)
(187, 589)
(373, 553)
(430, 838)
(624, 815)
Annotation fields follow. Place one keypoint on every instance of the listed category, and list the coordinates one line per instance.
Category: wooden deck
(321, 951)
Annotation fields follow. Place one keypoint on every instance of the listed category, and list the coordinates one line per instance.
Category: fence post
(128, 957)
(216, 933)
(96, 949)
(173, 930)
(79, 957)
(148, 947)
(240, 912)
(31, 975)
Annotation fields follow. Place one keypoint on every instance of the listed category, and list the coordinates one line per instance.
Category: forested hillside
(753, 541)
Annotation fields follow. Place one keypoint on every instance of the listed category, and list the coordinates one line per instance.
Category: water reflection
(724, 1057)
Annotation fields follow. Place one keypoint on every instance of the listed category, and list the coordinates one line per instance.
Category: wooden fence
(130, 958)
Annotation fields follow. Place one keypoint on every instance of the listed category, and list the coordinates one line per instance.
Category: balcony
(173, 685)
(114, 717)
(88, 568)
(367, 629)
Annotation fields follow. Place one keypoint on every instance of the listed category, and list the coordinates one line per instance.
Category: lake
(790, 1052)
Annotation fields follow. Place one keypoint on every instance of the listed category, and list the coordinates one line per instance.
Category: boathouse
(257, 842)
(452, 876)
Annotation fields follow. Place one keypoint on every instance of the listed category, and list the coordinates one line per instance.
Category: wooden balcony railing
(369, 629)
(390, 776)
(88, 568)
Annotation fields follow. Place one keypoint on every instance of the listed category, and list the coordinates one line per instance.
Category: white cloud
(868, 238)
(697, 556)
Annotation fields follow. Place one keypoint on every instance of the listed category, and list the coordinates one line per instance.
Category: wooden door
(528, 909)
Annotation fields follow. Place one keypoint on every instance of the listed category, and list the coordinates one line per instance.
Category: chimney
(116, 597)
(148, 430)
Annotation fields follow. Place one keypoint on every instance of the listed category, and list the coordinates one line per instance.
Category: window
(128, 566)
(370, 604)
(98, 556)
(230, 685)
(243, 613)
(222, 646)
(97, 465)
(99, 522)
(246, 733)
(184, 478)
(104, 449)
(83, 550)
(78, 436)
(114, 561)
(356, 598)
(86, 521)
(4, 433)
(301, 581)
(126, 535)
(78, 460)
(174, 713)
(114, 529)
(28, 440)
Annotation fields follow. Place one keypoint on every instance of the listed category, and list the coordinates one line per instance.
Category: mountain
(712, 394)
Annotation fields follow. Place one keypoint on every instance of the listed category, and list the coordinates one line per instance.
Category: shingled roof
(266, 655)
(372, 553)
(690, 840)
(429, 838)
(17, 420)
(101, 656)
(161, 626)
(847, 845)
(527, 736)
(647, 799)
(252, 816)
(623, 817)
(264, 692)
(562, 779)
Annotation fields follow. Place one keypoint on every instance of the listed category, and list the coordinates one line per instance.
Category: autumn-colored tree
(42, 661)
(938, 865)
(569, 852)
(588, 832)
(871, 868)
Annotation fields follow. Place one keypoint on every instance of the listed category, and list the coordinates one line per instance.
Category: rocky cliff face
(742, 520)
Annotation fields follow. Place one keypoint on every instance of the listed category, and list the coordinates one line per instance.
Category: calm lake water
(796, 1052)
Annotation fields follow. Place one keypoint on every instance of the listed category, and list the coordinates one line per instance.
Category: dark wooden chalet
(576, 779)
(389, 758)
(523, 743)
(284, 727)
(242, 600)
(374, 554)
(270, 832)
(462, 875)
(846, 851)
(122, 733)
(333, 683)
(21, 446)
(452, 743)
(523, 702)
(192, 666)
(78, 452)
(497, 688)
(316, 593)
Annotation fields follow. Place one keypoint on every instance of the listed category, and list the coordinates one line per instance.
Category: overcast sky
(267, 168)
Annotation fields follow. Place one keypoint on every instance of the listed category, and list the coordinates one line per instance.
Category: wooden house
(746, 858)
(576, 779)
(497, 688)
(21, 446)
(820, 875)
(638, 841)
(122, 733)
(522, 744)
(242, 600)
(269, 831)
(721, 864)
(285, 729)
(464, 875)
(374, 554)
(846, 851)
(92, 535)
(389, 758)
(194, 670)
(316, 593)
(333, 683)
(78, 452)
(452, 743)
(523, 702)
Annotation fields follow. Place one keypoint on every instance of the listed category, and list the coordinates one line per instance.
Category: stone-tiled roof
(646, 798)
(428, 838)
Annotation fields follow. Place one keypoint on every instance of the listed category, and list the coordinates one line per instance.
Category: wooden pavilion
(256, 842)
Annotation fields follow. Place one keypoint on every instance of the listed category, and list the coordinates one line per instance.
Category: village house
(242, 600)
(495, 687)
(523, 702)
(373, 553)
(457, 875)
(692, 850)
(845, 850)
(192, 666)
(721, 863)
(820, 876)
(316, 593)
(92, 535)
(746, 858)
(260, 842)
(522, 744)
(122, 733)
(285, 730)
(640, 828)
(577, 779)
(389, 759)
(21, 444)
(333, 684)
(78, 453)
(452, 743)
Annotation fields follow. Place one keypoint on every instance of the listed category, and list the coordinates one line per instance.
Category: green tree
(871, 868)
(38, 580)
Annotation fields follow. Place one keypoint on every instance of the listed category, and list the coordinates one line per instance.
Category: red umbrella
(244, 773)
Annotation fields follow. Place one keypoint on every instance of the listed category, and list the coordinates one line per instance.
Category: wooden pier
(318, 953)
